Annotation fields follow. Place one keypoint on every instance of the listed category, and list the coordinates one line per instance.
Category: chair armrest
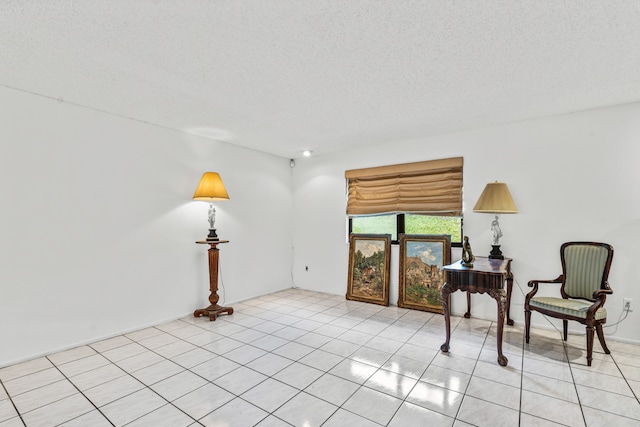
(533, 283)
(600, 296)
(601, 293)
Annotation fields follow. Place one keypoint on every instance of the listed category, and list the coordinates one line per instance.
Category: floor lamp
(209, 189)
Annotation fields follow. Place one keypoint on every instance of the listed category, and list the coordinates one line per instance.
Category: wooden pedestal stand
(214, 309)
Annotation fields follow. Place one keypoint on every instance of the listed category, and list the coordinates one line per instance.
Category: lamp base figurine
(212, 237)
(496, 253)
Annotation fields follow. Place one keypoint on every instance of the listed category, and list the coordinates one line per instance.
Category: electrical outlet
(626, 304)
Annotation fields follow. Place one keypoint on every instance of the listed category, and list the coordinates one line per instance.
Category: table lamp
(496, 199)
(209, 189)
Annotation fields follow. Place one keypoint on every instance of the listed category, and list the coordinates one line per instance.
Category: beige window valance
(433, 187)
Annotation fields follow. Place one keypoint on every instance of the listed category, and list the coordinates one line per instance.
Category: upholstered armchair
(583, 289)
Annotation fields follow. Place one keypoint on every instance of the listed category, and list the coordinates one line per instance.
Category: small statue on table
(467, 253)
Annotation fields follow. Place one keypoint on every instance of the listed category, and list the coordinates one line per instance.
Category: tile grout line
(80, 391)
(472, 371)
(361, 316)
(327, 372)
(12, 403)
(148, 386)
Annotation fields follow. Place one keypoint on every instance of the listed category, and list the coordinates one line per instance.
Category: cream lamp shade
(210, 188)
(496, 199)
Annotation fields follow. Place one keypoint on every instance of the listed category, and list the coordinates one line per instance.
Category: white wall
(98, 229)
(573, 177)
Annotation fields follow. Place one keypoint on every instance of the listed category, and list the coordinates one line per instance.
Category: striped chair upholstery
(583, 291)
(569, 307)
(584, 269)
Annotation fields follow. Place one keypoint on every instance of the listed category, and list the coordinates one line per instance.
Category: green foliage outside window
(413, 224)
(426, 224)
(378, 224)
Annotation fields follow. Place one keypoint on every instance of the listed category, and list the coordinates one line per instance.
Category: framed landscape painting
(421, 276)
(369, 260)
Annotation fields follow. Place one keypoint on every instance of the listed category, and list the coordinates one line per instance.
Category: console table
(214, 309)
(507, 302)
(486, 276)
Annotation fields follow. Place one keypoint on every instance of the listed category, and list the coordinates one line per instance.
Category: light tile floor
(304, 358)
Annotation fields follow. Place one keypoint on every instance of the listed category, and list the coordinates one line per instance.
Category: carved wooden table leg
(507, 305)
(446, 300)
(467, 315)
(485, 276)
(499, 296)
(214, 309)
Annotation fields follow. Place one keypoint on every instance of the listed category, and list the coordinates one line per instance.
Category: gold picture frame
(421, 276)
(369, 262)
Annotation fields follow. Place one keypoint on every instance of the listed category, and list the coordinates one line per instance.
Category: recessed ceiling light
(307, 153)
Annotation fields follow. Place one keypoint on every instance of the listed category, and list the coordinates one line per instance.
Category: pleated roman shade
(433, 187)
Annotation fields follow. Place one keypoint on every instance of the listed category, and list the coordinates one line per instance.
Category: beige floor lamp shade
(496, 199)
(209, 189)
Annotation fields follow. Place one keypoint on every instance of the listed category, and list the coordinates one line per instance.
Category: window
(411, 198)
(429, 224)
(396, 224)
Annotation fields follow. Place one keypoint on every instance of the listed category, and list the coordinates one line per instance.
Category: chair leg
(565, 328)
(589, 344)
(601, 338)
(527, 324)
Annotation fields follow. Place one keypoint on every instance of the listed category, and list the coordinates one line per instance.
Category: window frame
(400, 228)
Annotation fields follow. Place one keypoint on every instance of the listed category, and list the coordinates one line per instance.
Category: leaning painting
(421, 276)
(369, 259)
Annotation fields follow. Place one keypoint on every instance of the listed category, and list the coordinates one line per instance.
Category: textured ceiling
(280, 76)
